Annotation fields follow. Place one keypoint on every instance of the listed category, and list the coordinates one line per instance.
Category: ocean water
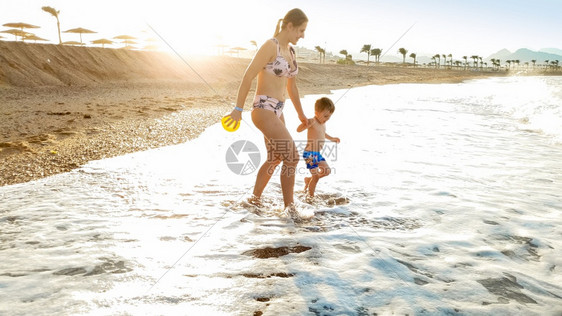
(445, 199)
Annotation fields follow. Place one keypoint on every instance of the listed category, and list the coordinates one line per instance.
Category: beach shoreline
(66, 119)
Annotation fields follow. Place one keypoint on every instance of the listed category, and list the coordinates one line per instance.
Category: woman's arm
(304, 126)
(293, 91)
(266, 52)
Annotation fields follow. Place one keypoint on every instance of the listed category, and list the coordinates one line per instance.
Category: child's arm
(303, 126)
(334, 139)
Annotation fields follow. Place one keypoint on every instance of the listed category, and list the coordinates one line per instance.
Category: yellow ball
(229, 124)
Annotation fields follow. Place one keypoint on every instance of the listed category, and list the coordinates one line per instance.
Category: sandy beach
(64, 106)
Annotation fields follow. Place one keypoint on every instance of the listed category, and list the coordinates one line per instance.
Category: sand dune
(46, 64)
(62, 106)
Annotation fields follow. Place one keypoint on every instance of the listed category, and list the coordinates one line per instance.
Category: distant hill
(526, 55)
(555, 51)
(502, 54)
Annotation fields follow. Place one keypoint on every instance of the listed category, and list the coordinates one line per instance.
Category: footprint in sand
(63, 133)
(43, 139)
(8, 148)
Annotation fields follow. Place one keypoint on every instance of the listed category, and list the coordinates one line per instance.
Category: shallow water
(444, 199)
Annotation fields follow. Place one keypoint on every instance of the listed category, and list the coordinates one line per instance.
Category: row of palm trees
(477, 61)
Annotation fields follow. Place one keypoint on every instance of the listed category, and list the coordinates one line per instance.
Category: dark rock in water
(419, 281)
(70, 271)
(267, 276)
(269, 252)
(507, 287)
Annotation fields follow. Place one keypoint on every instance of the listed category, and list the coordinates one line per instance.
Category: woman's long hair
(295, 17)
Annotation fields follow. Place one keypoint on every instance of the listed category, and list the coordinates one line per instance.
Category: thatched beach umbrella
(128, 44)
(127, 39)
(221, 49)
(21, 26)
(16, 33)
(103, 41)
(237, 50)
(33, 37)
(79, 30)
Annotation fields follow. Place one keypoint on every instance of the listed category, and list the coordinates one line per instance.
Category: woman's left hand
(304, 120)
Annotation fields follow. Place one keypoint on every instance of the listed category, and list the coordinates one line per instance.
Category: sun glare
(203, 30)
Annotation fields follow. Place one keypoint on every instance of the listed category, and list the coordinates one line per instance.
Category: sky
(454, 27)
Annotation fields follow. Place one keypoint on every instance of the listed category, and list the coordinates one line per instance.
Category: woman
(275, 66)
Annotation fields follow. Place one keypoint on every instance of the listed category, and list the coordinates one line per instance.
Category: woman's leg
(280, 147)
(266, 170)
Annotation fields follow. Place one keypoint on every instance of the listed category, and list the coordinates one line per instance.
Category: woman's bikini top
(280, 66)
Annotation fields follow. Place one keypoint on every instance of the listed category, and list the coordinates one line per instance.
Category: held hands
(304, 125)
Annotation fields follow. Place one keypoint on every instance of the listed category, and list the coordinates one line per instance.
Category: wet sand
(61, 112)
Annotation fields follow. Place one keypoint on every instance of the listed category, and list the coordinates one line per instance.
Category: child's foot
(306, 183)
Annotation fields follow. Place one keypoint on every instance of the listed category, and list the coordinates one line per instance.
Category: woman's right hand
(236, 115)
(231, 122)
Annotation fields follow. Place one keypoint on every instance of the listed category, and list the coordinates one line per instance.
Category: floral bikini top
(280, 66)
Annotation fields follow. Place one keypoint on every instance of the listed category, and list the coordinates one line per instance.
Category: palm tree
(508, 64)
(437, 58)
(403, 51)
(377, 53)
(450, 59)
(458, 63)
(475, 60)
(465, 61)
(534, 61)
(413, 55)
(54, 13)
(444, 59)
(366, 49)
(495, 63)
(344, 52)
(322, 53)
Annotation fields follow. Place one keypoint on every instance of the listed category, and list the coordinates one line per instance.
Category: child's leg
(312, 185)
(323, 169)
(317, 173)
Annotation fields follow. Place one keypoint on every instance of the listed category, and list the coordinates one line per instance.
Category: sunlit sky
(455, 27)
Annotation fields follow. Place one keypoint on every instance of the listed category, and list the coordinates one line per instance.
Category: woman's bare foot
(255, 201)
(291, 211)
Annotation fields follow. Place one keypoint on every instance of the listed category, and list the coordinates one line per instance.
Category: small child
(323, 110)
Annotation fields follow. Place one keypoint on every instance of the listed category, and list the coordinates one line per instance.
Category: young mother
(275, 65)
